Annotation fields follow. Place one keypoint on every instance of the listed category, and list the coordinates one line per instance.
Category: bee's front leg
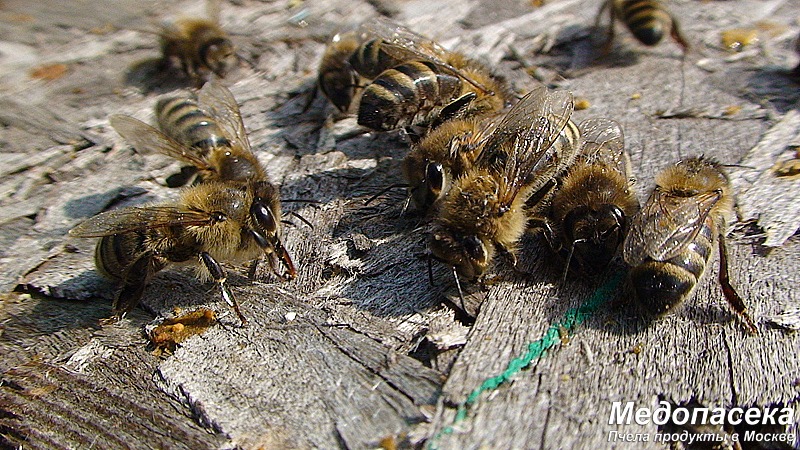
(218, 274)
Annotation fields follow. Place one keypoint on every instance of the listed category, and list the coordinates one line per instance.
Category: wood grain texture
(360, 347)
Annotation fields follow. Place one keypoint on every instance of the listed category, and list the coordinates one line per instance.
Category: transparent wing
(220, 104)
(603, 143)
(140, 218)
(400, 42)
(146, 139)
(665, 225)
(403, 44)
(522, 141)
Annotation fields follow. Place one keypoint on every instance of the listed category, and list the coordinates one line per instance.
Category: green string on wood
(536, 349)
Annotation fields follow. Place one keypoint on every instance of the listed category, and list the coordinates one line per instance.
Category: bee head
(595, 234)
(265, 214)
(339, 85)
(218, 55)
(468, 254)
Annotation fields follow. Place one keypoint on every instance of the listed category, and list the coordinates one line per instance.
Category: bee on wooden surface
(647, 20)
(199, 45)
(211, 222)
(486, 210)
(671, 239)
(594, 202)
(210, 135)
(206, 132)
(410, 78)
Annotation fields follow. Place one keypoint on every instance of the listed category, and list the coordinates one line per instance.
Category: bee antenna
(302, 219)
(429, 257)
(460, 292)
(566, 266)
(738, 166)
(385, 190)
(301, 200)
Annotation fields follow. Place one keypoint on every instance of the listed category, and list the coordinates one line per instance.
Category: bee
(199, 45)
(595, 200)
(410, 78)
(233, 216)
(647, 20)
(206, 132)
(486, 210)
(671, 239)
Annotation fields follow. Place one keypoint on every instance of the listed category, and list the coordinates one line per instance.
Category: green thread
(536, 349)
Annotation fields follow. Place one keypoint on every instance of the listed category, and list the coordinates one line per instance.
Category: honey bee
(199, 45)
(206, 132)
(411, 79)
(210, 222)
(234, 215)
(594, 202)
(486, 210)
(671, 239)
(647, 20)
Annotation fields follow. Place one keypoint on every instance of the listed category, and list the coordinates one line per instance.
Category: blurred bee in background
(486, 210)
(200, 46)
(671, 239)
(410, 79)
(233, 216)
(647, 20)
(594, 202)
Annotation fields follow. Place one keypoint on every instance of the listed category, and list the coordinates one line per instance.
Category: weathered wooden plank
(338, 373)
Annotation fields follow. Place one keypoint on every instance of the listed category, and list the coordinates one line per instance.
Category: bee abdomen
(646, 19)
(662, 285)
(114, 254)
(399, 95)
(183, 120)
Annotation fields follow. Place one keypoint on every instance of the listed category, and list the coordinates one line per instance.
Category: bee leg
(541, 223)
(136, 277)
(676, 34)
(730, 293)
(606, 48)
(251, 271)
(218, 274)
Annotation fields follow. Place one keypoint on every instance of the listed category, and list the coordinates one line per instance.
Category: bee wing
(603, 142)
(139, 218)
(405, 45)
(525, 135)
(145, 139)
(400, 42)
(220, 104)
(665, 225)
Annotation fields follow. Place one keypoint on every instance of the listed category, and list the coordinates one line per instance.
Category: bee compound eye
(263, 217)
(475, 248)
(434, 177)
(218, 216)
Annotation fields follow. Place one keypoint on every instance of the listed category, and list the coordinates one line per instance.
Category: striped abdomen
(646, 19)
(114, 254)
(183, 120)
(399, 96)
(662, 285)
